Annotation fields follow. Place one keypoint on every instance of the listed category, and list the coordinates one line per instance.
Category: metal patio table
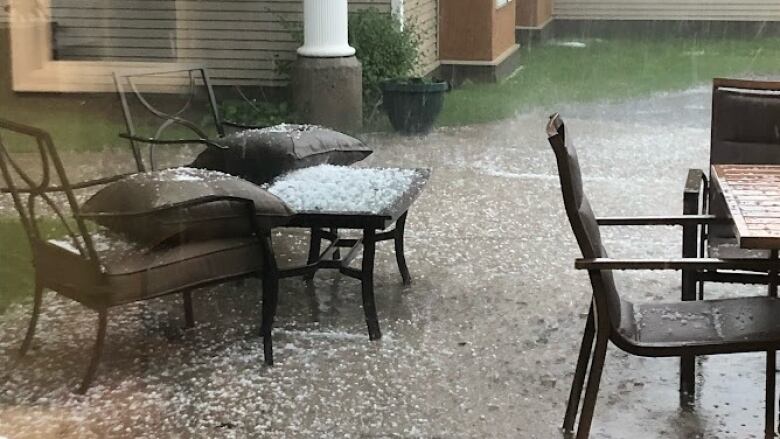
(324, 225)
(752, 195)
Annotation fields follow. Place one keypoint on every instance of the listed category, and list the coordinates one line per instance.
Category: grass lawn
(16, 274)
(609, 69)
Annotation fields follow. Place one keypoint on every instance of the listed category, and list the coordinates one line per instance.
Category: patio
(464, 353)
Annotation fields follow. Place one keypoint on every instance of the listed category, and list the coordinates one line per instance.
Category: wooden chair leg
(98, 351)
(592, 389)
(575, 395)
(37, 300)
(769, 421)
(189, 314)
(400, 226)
(367, 284)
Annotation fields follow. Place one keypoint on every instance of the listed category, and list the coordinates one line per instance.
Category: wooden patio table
(752, 195)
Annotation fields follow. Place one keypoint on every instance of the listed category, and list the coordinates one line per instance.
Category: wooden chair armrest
(678, 220)
(693, 182)
(676, 264)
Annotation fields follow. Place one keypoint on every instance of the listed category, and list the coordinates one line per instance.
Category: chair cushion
(129, 272)
(260, 155)
(702, 327)
(145, 195)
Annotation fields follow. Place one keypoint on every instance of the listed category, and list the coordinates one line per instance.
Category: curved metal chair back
(583, 221)
(28, 192)
(154, 103)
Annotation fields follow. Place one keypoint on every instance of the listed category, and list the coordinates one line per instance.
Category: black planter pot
(413, 104)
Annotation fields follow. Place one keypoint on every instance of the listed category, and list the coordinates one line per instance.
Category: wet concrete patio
(482, 344)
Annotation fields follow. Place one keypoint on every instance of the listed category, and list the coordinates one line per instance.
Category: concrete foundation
(329, 92)
(457, 72)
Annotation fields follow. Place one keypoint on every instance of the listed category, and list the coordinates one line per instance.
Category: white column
(325, 29)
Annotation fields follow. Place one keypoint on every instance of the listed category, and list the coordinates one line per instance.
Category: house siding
(241, 42)
(4, 12)
(725, 10)
(423, 17)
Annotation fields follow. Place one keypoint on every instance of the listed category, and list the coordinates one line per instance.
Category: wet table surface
(752, 194)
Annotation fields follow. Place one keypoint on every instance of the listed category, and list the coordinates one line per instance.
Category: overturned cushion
(139, 206)
(260, 155)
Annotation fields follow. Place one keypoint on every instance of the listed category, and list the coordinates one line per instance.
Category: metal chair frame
(82, 240)
(601, 326)
(697, 199)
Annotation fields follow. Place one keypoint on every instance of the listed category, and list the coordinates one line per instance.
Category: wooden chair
(744, 324)
(115, 273)
(743, 131)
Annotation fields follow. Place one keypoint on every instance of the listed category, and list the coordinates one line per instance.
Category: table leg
(367, 284)
(769, 425)
(771, 360)
(315, 242)
(773, 276)
(400, 225)
(337, 252)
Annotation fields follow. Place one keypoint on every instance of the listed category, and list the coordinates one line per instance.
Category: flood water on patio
(482, 344)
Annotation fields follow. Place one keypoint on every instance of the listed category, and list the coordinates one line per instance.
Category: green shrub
(385, 49)
(254, 112)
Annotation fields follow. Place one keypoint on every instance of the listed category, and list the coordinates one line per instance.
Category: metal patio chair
(111, 274)
(182, 100)
(743, 131)
(170, 107)
(745, 115)
(744, 324)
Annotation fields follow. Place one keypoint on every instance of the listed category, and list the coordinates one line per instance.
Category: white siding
(423, 16)
(728, 10)
(114, 29)
(240, 41)
(3, 11)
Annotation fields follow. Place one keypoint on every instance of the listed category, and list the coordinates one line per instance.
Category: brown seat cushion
(130, 272)
(150, 192)
(260, 155)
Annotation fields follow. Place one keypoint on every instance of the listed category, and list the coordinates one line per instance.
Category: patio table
(374, 227)
(752, 195)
